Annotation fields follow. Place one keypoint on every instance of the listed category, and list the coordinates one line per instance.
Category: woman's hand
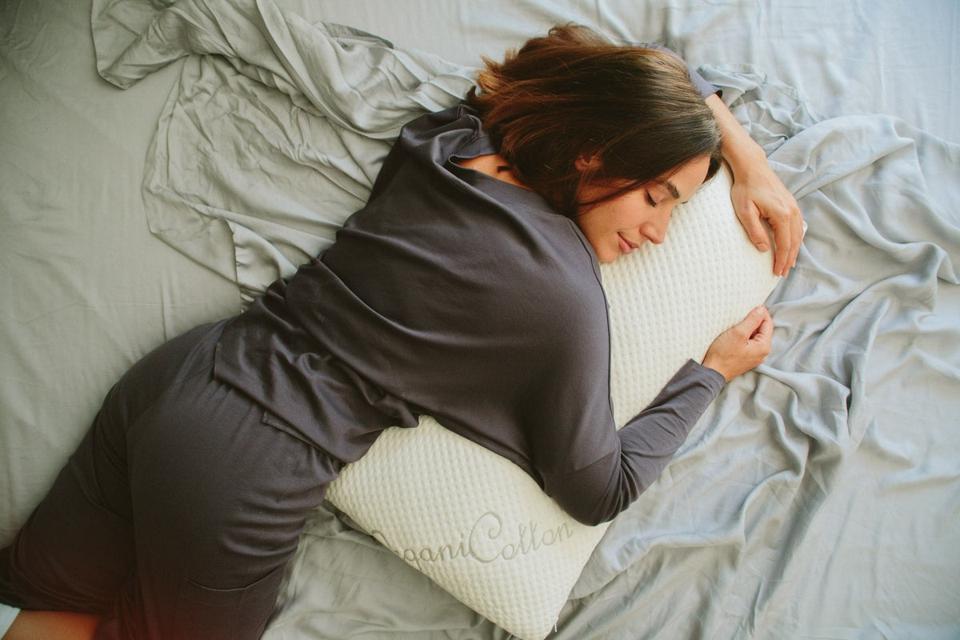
(758, 194)
(743, 346)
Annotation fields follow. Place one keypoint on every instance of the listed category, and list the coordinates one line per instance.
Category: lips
(625, 245)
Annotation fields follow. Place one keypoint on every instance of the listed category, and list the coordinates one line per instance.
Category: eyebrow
(669, 186)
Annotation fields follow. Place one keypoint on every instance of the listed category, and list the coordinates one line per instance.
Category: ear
(587, 163)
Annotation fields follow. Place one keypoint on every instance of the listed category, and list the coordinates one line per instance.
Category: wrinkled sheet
(264, 150)
(818, 497)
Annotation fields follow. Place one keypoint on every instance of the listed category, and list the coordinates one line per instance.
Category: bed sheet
(844, 58)
(818, 497)
(88, 288)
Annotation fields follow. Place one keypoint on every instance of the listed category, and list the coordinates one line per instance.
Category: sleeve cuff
(711, 377)
(705, 88)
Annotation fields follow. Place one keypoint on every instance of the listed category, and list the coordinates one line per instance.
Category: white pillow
(480, 527)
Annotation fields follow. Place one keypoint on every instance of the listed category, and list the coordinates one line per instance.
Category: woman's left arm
(758, 194)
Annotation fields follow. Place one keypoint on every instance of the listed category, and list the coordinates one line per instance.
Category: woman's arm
(633, 458)
(638, 452)
(758, 194)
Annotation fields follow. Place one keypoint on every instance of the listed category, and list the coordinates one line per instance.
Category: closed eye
(650, 200)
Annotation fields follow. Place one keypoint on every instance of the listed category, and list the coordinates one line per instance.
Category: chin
(605, 254)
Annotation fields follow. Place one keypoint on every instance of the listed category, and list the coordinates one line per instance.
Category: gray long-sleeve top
(457, 295)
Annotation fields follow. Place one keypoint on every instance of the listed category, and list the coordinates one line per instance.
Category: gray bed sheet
(819, 497)
(87, 288)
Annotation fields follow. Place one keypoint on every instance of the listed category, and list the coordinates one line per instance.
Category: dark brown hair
(573, 94)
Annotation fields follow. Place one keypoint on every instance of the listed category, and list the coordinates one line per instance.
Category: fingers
(757, 330)
(764, 333)
(759, 195)
(743, 346)
(753, 320)
(781, 235)
(749, 216)
(788, 234)
(798, 234)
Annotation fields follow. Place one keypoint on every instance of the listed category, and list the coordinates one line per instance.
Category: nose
(656, 230)
(656, 234)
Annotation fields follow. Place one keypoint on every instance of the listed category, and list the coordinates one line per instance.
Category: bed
(819, 497)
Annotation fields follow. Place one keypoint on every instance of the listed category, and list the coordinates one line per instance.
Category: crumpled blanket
(273, 136)
(268, 144)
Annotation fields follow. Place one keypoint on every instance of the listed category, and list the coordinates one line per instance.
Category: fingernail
(763, 246)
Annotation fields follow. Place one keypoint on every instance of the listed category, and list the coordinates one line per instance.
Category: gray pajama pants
(178, 511)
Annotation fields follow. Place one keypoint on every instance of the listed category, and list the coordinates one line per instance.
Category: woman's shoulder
(457, 121)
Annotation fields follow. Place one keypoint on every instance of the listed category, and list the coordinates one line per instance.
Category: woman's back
(450, 293)
(460, 296)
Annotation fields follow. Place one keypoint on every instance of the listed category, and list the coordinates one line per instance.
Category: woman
(467, 288)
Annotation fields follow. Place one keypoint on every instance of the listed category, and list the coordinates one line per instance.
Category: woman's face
(619, 226)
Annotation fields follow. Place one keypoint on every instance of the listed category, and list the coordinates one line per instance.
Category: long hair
(572, 94)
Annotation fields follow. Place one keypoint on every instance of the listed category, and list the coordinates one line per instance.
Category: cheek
(630, 217)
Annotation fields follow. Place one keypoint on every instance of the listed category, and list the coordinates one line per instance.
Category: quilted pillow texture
(479, 526)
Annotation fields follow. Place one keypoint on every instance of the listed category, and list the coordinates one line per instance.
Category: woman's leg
(52, 625)
(76, 549)
(219, 501)
(176, 514)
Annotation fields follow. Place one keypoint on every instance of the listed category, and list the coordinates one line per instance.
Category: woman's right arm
(638, 453)
(605, 470)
